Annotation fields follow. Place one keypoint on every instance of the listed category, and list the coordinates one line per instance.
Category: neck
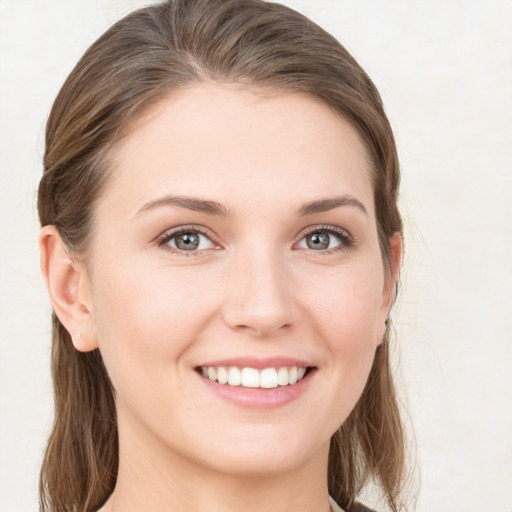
(159, 480)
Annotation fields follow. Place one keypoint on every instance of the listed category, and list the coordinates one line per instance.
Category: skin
(253, 288)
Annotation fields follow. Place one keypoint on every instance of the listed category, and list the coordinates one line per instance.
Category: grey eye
(325, 239)
(318, 241)
(188, 241)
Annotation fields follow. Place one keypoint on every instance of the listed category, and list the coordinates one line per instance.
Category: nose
(260, 296)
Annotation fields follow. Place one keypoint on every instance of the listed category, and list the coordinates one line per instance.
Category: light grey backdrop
(444, 69)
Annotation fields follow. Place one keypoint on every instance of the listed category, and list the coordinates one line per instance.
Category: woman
(221, 244)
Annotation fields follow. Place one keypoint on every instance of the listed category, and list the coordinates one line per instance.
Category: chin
(264, 452)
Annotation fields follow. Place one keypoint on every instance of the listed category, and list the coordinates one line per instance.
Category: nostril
(263, 330)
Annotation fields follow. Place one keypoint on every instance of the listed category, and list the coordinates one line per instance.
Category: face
(237, 291)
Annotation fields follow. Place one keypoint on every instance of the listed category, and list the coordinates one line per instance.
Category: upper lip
(258, 363)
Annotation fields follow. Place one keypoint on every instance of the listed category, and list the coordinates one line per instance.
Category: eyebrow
(324, 205)
(191, 203)
(214, 208)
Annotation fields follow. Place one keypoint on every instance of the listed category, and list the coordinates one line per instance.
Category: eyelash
(346, 240)
(166, 237)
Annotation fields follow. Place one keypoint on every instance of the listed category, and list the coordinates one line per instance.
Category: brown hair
(138, 61)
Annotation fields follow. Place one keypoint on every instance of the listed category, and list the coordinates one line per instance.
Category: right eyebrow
(191, 203)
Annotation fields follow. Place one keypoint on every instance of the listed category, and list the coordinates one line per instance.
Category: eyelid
(347, 240)
(162, 239)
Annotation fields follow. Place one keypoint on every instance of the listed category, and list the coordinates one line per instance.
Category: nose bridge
(260, 298)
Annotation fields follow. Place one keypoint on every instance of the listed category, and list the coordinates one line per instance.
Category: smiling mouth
(265, 378)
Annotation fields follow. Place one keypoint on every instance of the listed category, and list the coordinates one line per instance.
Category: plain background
(444, 68)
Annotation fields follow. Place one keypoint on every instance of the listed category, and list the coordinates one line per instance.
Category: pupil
(187, 241)
(318, 241)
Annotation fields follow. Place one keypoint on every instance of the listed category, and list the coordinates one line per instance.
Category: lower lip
(259, 398)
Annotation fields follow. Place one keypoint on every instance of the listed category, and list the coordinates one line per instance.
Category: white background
(444, 68)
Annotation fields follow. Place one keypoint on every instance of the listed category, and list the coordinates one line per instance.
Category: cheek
(347, 318)
(347, 305)
(146, 319)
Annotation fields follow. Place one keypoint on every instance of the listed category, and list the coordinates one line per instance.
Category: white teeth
(234, 377)
(268, 378)
(251, 378)
(222, 375)
(212, 373)
(282, 376)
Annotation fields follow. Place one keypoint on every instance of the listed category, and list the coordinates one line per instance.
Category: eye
(187, 240)
(326, 239)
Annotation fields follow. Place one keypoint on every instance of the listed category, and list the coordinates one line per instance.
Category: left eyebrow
(324, 205)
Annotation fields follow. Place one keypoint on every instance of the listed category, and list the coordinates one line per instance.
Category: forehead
(225, 141)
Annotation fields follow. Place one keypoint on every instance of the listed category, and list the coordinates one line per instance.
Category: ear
(391, 279)
(69, 289)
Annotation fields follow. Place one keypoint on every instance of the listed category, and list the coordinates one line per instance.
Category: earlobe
(68, 287)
